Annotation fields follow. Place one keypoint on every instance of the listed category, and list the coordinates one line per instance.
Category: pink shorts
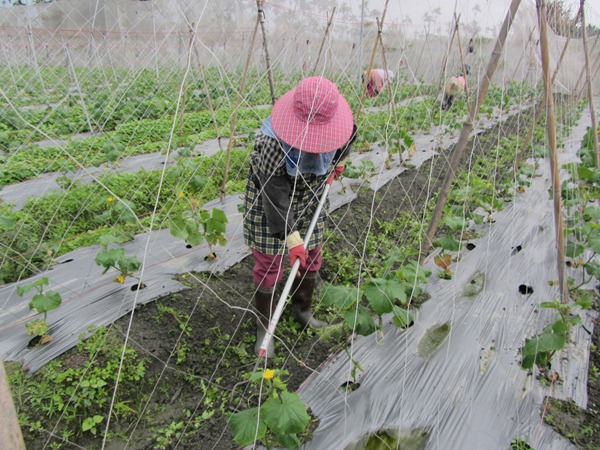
(268, 269)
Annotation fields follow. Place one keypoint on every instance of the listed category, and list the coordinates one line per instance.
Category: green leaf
(107, 258)
(382, 293)
(285, 414)
(22, 290)
(247, 427)
(574, 249)
(591, 212)
(342, 297)
(36, 327)
(586, 173)
(45, 302)
(455, 223)
(6, 222)
(544, 342)
(177, 226)
(198, 183)
(402, 317)
(448, 243)
(129, 265)
(360, 321)
(288, 440)
(593, 268)
(585, 301)
(107, 239)
(594, 244)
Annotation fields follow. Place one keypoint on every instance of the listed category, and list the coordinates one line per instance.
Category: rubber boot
(265, 305)
(303, 289)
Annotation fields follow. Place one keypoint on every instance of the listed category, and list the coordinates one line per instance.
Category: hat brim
(310, 137)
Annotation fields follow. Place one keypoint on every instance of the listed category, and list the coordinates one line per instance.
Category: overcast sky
(486, 13)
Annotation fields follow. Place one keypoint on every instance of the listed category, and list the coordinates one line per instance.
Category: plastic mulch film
(453, 380)
(92, 298)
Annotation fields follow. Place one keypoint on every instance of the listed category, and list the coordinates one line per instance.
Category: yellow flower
(489, 185)
(110, 199)
(182, 194)
(120, 279)
(268, 374)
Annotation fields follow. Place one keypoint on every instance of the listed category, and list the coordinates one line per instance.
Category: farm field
(454, 316)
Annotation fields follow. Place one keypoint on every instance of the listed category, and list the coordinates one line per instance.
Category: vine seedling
(277, 421)
(42, 302)
(195, 225)
(115, 258)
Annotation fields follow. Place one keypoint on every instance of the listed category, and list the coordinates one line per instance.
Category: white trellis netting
(121, 73)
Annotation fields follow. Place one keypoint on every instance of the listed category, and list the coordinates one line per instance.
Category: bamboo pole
(537, 112)
(589, 87)
(329, 20)
(237, 107)
(462, 62)
(576, 89)
(10, 436)
(467, 128)
(445, 61)
(373, 53)
(207, 93)
(261, 18)
(551, 126)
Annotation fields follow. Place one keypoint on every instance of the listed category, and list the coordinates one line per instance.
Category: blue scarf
(297, 161)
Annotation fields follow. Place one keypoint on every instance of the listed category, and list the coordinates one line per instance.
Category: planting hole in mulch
(67, 261)
(138, 287)
(471, 246)
(433, 339)
(516, 249)
(525, 289)
(188, 246)
(349, 386)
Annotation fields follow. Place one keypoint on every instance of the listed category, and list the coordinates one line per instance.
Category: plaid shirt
(277, 204)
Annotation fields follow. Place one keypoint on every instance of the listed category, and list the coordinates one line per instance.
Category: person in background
(377, 79)
(455, 86)
(301, 146)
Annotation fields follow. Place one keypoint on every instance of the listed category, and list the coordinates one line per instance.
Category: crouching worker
(455, 86)
(377, 80)
(302, 146)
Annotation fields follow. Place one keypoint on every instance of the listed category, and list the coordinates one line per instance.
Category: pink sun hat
(313, 117)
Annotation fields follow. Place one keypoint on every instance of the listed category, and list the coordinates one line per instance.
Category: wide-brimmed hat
(313, 117)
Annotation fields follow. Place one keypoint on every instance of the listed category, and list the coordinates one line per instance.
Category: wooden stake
(261, 18)
(551, 125)
(330, 19)
(445, 61)
(590, 87)
(467, 128)
(10, 436)
(237, 107)
(373, 53)
(537, 112)
(576, 89)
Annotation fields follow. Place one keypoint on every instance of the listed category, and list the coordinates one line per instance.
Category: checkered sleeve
(269, 158)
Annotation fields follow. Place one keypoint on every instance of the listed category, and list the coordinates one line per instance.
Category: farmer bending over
(454, 87)
(301, 146)
(377, 79)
